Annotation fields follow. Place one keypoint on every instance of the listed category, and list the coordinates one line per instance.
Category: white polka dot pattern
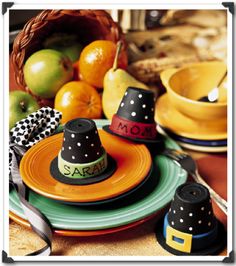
(82, 142)
(137, 105)
(191, 212)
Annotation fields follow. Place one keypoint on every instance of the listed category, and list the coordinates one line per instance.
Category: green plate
(69, 217)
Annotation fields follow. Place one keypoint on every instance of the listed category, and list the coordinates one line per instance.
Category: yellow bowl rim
(190, 100)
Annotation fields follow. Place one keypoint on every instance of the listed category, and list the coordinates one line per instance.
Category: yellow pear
(115, 83)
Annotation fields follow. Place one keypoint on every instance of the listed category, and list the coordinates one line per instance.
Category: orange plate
(133, 165)
(23, 222)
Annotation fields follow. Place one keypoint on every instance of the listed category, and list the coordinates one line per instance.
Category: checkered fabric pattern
(34, 128)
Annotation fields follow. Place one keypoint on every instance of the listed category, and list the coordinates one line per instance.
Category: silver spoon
(213, 95)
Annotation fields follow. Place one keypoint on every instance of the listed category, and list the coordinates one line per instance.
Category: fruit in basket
(116, 81)
(68, 44)
(96, 59)
(46, 71)
(21, 104)
(78, 99)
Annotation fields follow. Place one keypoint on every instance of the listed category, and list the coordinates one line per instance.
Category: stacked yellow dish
(194, 124)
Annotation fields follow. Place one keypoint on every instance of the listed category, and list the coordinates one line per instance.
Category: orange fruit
(96, 59)
(78, 99)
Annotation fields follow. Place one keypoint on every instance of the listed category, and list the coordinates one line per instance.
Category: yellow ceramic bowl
(186, 85)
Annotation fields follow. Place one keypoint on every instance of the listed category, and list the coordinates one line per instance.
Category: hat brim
(127, 198)
(157, 140)
(218, 245)
(56, 174)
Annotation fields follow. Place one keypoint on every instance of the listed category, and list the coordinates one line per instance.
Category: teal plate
(70, 217)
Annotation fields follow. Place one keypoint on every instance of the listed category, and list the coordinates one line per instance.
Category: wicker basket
(89, 25)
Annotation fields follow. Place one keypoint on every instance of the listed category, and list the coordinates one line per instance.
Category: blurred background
(159, 37)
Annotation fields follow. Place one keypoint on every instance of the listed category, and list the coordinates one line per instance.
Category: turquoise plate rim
(82, 218)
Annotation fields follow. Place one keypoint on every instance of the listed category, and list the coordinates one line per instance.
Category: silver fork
(185, 161)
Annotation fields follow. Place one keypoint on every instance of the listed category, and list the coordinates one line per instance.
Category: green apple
(68, 44)
(46, 71)
(20, 106)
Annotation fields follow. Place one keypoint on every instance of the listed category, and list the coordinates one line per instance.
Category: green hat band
(84, 170)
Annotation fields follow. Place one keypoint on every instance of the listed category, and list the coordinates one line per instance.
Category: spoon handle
(222, 79)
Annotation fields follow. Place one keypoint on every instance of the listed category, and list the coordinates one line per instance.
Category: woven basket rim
(24, 38)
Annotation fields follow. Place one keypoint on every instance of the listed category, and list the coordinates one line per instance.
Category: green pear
(115, 83)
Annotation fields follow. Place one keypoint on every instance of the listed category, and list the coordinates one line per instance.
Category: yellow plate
(168, 117)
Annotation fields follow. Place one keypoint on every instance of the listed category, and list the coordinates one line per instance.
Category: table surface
(137, 241)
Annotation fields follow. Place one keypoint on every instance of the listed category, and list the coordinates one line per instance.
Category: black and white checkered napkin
(24, 135)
